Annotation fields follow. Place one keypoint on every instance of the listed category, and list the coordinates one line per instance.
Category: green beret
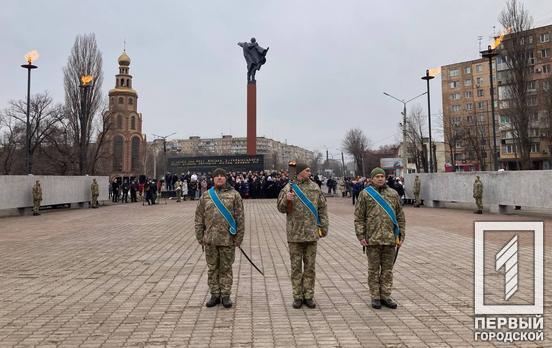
(219, 171)
(300, 166)
(376, 171)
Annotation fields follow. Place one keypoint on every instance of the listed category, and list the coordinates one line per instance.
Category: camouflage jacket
(372, 222)
(94, 189)
(37, 193)
(417, 185)
(210, 225)
(477, 189)
(301, 224)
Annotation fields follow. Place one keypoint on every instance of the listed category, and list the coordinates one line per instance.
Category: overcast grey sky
(328, 64)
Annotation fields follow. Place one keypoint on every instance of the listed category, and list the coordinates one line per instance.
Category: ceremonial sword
(251, 262)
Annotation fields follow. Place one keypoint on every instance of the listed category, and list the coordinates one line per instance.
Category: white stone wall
(17, 189)
(501, 190)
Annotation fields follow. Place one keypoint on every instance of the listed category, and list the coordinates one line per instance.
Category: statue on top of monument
(255, 56)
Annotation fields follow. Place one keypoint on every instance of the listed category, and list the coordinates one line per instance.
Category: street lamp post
(490, 53)
(404, 150)
(428, 77)
(86, 82)
(29, 66)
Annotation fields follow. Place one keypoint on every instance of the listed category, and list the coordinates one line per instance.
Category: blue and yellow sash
(306, 202)
(386, 207)
(223, 211)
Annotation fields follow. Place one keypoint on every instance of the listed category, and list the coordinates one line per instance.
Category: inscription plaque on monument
(206, 164)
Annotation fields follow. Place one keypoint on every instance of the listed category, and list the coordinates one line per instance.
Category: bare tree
(515, 53)
(9, 134)
(546, 119)
(415, 126)
(452, 134)
(315, 165)
(355, 144)
(100, 152)
(83, 104)
(475, 137)
(43, 118)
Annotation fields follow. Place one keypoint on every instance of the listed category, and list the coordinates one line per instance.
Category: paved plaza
(133, 275)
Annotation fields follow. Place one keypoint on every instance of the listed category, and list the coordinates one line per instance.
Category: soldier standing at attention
(220, 227)
(178, 189)
(307, 221)
(417, 185)
(95, 191)
(37, 198)
(380, 229)
(478, 195)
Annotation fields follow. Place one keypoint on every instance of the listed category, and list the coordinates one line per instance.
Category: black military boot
(226, 302)
(213, 301)
(389, 303)
(376, 303)
(309, 302)
(297, 303)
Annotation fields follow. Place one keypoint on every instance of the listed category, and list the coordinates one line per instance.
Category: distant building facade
(276, 154)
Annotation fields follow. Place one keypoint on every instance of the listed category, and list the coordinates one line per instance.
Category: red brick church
(125, 140)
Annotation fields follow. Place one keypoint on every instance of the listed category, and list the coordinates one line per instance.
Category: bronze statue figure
(255, 56)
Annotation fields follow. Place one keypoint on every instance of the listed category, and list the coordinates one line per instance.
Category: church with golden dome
(124, 137)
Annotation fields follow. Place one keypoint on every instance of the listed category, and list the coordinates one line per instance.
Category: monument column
(251, 118)
(255, 57)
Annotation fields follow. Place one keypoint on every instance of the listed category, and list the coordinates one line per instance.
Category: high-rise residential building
(538, 104)
(467, 119)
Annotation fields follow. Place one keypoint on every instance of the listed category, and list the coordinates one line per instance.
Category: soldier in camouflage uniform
(95, 192)
(303, 234)
(212, 232)
(178, 189)
(478, 195)
(374, 230)
(417, 185)
(37, 198)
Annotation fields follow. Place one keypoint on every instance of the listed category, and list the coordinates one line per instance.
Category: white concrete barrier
(17, 190)
(502, 191)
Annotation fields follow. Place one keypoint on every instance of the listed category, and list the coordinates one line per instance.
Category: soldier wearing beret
(303, 232)
(478, 195)
(376, 232)
(95, 192)
(212, 232)
(37, 198)
(417, 186)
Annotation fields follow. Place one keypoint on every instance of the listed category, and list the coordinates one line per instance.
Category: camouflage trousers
(178, 195)
(416, 198)
(303, 274)
(479, 203)
(380, 270)
(94, 201)
(219, 263)
(36, 206)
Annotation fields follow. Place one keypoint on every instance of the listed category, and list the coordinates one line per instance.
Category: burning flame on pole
(86, 79)
(434, 71)
(498, 40)
(31, 56)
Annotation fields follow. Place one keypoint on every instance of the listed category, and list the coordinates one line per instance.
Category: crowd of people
(191, 185)
(251, 184)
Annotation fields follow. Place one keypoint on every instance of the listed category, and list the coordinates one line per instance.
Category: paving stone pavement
(128, 275)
